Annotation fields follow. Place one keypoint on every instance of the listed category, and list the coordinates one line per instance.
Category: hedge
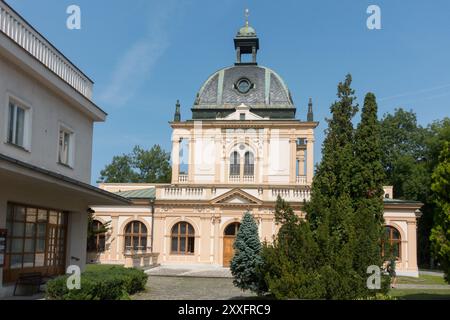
(108, 283)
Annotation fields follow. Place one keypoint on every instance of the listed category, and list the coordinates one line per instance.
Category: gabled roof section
(236, 196)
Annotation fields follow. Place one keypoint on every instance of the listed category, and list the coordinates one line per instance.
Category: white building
(242, 148)
(46, 124)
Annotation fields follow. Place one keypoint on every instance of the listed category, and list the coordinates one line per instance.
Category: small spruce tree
(247, 257)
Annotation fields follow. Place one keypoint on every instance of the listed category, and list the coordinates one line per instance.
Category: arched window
(249, 164)
(97, 240)
(135, 236)
(235, 166)
(232, 229)
(391, 245)
(183, 239)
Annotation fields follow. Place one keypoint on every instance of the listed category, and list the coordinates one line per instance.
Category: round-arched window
(135, 236)
(182, 239)
(97, 240)
(391, 244)
(249, 164)
(235, 165)
(232, 229)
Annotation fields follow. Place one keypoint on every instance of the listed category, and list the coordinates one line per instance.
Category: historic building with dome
(245, 145)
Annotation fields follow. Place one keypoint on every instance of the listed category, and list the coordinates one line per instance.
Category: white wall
(48, 111)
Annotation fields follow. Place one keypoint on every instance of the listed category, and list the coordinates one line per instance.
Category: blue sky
(144, 55)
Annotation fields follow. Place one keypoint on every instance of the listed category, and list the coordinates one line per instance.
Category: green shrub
(111, 283)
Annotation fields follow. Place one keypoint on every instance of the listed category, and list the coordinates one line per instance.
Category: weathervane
(247, 14)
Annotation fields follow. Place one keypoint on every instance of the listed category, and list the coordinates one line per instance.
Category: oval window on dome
(244, 85)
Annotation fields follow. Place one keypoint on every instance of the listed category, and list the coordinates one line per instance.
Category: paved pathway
(190, 288)
(423, 286)
(199, 271)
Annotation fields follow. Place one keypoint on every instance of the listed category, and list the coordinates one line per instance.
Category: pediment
(236, 197)
(242, 109)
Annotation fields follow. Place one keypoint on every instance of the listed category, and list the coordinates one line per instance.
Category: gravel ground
(190, 288)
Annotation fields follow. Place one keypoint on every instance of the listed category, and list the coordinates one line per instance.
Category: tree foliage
(291, 263)
(140, 166)
(440, 235)
(327, 255)
(247, 256)
(410, 155)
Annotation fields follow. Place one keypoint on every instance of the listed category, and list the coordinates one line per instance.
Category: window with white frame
(65, 146)
(16, 124)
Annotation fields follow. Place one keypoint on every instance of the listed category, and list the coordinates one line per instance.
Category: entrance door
(228, 242)
(55, 250)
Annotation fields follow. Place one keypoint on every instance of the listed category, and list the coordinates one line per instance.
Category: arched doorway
(229, 236)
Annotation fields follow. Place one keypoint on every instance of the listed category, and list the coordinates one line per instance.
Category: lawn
(422, 280)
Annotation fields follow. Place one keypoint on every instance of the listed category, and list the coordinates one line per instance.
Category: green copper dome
(246, 32)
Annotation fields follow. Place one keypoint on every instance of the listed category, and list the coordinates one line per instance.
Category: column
(114, 239)
(293, 160)
(266, 157)
(309, 160)
(175, 160)
(301, 162)
(412, 246)
(191, 160)
(76, 239)
(216, 221)
(218, 159)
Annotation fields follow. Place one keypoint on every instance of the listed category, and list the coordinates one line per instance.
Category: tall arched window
(249, 164)
(235, 165)
(183, 239)
(135, 236)
(97, 240)
(391, 245)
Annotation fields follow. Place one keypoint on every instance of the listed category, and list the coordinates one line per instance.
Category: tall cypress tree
(367, 192)
(331, 211)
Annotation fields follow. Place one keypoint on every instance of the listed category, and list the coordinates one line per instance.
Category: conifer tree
(367, 193)
(247, 256)
(330, 211)
(291, 263)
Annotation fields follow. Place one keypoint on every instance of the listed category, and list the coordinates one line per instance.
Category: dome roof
(255, 86)
(246, 31)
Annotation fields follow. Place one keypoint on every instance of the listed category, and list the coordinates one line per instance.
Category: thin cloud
(136, 64)
(415, 93)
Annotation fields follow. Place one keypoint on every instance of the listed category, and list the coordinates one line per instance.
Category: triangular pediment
(242, 110)
(236, 197)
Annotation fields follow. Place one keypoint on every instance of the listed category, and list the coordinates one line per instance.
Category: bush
(99, 283)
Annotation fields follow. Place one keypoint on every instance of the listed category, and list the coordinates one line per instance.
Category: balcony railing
(288, 194)
(234, 178)
(248, 178)
(23, 34)
(183, 178)
(183, 193)
(301, 180)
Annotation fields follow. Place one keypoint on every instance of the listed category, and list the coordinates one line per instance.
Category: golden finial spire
(247, 14)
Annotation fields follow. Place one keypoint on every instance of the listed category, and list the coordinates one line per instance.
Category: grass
(422, 280)
(420, 294)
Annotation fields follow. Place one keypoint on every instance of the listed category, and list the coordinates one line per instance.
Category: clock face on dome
(244, 85)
